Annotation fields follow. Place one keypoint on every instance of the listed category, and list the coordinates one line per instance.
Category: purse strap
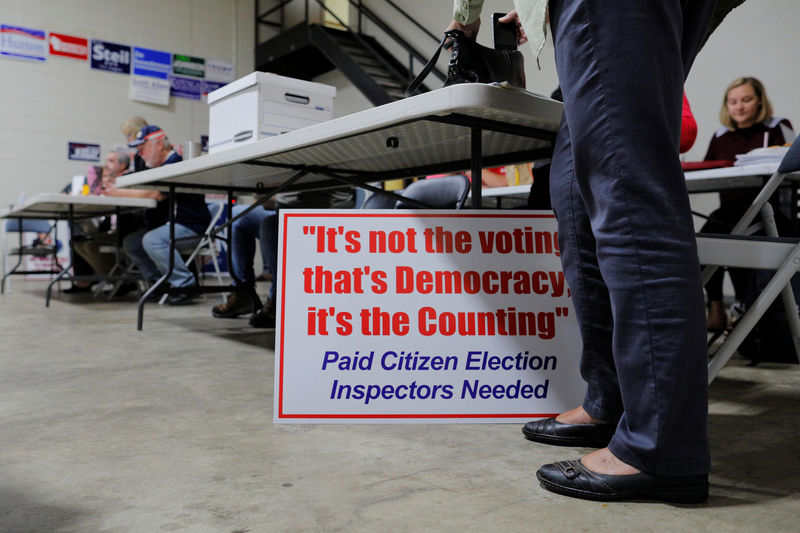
(416, 82)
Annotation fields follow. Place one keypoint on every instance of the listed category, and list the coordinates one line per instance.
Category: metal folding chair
(22, 226)
(448, 192)
(768, 252)
(207, 245)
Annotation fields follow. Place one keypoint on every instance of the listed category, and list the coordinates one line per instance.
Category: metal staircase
(307, 50)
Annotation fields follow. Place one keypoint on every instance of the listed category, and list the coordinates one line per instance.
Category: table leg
(19, 258)
(476, 155)
(168, 273)
(64, 273)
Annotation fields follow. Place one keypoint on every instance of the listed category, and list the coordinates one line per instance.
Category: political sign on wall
(151, 63)
(111, 57)
(78, 151)
(150, 76)
(219, 71)
(22, 43)
(213, 86)
(191, 88)
(193, 67)
(69, 46)
(423, 316)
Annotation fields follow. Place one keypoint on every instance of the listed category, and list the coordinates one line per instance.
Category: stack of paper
(772, 154)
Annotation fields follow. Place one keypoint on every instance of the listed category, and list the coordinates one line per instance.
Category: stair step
(359, 52)
(392, 87)
(375, 70)
(397, 95)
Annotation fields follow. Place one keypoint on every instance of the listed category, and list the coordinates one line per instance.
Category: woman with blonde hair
(129, 129)
(748, 123)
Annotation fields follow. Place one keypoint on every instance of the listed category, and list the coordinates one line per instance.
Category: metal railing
(363, 12)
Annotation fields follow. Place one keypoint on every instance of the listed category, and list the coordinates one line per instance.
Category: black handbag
(471, 62)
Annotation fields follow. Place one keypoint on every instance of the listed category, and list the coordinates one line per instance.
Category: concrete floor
(106, 429)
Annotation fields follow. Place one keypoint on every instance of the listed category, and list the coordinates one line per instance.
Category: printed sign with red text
(422, 316)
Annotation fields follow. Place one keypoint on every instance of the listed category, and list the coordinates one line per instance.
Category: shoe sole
(689, 495)
(228, 315)
(565, 441)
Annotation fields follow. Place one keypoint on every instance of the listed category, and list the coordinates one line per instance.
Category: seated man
(149, 248)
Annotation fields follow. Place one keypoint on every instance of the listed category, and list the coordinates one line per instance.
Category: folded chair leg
(748, 321)
(787, 294)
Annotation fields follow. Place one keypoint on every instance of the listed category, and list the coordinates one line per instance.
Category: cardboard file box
(262, 105)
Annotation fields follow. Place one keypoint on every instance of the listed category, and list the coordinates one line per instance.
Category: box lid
(271, 79)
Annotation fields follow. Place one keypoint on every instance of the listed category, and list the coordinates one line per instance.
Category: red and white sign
(69, 46)
(423, 316)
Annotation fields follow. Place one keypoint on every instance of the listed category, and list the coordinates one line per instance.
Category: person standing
(628, 246)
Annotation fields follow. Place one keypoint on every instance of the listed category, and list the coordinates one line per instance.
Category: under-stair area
(307, 50)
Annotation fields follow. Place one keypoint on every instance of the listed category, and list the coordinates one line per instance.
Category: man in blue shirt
(148, 247)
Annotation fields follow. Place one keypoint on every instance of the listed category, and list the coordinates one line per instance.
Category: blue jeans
(155, 261)
(269, 247)
(625, 226)
(244, 233)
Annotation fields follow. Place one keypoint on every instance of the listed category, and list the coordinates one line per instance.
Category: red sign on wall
(69, 46)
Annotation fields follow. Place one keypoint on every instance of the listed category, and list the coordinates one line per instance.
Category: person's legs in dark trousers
(590, 295)
(269, 246)
(722, 221)
(626, 227)
(80, 267)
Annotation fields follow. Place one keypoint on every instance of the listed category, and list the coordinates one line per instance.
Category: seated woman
(746, 115)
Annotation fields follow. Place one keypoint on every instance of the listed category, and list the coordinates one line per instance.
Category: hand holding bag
(471, 62)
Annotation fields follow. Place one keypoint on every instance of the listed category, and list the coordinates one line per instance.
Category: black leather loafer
(550, 431)
(571, 478)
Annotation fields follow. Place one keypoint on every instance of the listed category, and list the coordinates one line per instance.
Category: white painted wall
(43, 106)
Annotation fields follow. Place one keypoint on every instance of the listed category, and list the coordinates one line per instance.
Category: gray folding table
(468, 126)
(58, 206)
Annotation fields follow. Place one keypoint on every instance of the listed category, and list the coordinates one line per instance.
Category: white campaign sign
(422, 316)
(151, 90)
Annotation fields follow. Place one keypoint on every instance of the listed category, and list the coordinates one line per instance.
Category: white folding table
(697, 181)
(467, 126)
(58, 206)
(719, 179)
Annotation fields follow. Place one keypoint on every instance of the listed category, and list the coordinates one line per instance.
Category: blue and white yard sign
(150, 79)
(22, 43)
(191, 88)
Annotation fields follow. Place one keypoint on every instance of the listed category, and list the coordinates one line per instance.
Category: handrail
(413, 21)
(374, 18)
(400, 40)
(361, 41)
